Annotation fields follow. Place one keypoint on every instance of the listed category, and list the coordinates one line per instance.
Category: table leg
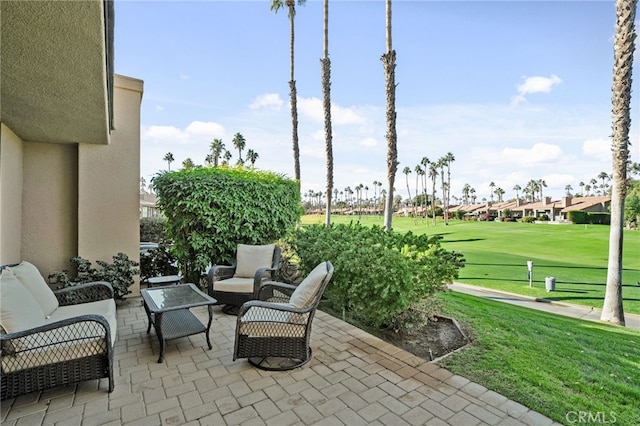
(158, 326)
(210, 308)
(146, 309)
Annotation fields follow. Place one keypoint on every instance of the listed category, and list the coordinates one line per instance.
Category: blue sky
(516, 90)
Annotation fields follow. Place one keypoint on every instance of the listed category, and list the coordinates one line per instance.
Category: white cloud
(271, 101)
(159, 108)
(184, 76)
(539, 153)
(368, 142)
(597, 148)
(535, 84)
(195, 132)
(312, 108)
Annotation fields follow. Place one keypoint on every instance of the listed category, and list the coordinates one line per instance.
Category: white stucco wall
(49, 205)
(109, 183)
(10, 196)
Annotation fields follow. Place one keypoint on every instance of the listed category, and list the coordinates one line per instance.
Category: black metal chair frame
(76, 330)
(262, 347)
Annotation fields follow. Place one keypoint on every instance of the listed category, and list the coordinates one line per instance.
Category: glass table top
(176, 296)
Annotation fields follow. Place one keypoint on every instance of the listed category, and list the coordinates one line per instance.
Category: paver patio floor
(353, 379)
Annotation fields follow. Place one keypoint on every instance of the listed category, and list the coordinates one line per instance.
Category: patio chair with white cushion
(233, 285)
(274, 331)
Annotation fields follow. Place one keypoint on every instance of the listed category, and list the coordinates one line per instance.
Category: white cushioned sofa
(53, 338)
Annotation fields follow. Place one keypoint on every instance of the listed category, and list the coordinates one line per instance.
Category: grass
(496, 256)
(552, 364)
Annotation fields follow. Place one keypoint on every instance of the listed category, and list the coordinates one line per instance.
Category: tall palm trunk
(624, 46)
(294, 94)
(389, 64)
(326, 94)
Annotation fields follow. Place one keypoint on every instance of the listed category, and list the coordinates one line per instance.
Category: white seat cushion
(251, 258)
(106, 308)
(265, 322)
(18, 308)
(31, 278)
(307, 289)
(234, 285)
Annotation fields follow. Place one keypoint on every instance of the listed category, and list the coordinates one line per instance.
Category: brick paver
(354, 378)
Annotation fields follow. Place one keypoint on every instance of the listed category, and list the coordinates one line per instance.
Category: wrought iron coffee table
(168, 310)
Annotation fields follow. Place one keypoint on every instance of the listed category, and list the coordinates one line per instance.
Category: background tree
(252, 156)
(499, 193)
(491, 185)
(449, 158)
(143, 185)
(239, 143)
(325, 64)
(226, 157)
(276, 5)
(517, 188)
(208, 159)
(433, 174)
(389, 64)
(188, 164)
(168, 157)
(581, 185)
(217, 147)
(568, 189)
(623, 49)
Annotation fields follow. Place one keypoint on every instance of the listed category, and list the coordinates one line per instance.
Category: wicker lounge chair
(53, 338)
(233, 285)
(274, 331)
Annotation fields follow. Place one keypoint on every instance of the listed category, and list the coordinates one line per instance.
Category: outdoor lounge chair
(274, 331)
(53, 338)
(233, 285)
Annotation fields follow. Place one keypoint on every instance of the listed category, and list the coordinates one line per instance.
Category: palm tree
(252, 156)
(472, 191)
(581, 185)
(143, 185)
(208, 159)
(491, 185)
(433, 174)
(239, 143)
(188, 164)
(389, 65)
(568, 189)
(587, 188)
(325, 64)
(612, 309)
(216, 147)
(604, 177)
(425, 163)
(465, 193)
(168, 157)
(517, 188)
(449, 158)
(541, 184)
(226, 157)
(406, 172)
(499, 192)
(291, 6)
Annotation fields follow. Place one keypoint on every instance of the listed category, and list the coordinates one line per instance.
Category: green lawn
(549, 363)
(496, 256)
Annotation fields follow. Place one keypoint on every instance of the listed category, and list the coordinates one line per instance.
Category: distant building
(148, 206)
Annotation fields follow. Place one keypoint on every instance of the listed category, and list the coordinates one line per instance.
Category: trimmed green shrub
(119, 273)
(528, 219)
(210, 210)
(378, 276)
(152, 229)
(580, 217)
(599, 218)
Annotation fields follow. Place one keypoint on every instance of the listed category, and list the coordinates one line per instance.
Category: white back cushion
(18, 308)
(307, 289)
(251, 258)
(30, 277)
